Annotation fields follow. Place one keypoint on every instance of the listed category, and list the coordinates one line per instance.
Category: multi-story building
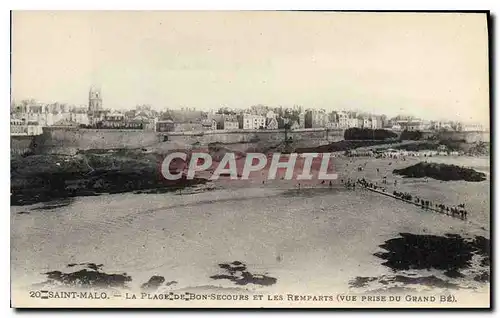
(21, 127)
(367, 123)
(79, 115)
(50, 114)
(295, 125)
(112, 120)
(184, 115)
(471, 127)
(188, 126)
(411, 125)
(165, 125)
(251, 121)
(147, 119)
(271, 123)
(426, 125)
(302, 120)
(231, 124)
(226, 122)
(354, 122)
(343, 119)
(209, 124)
(332, 125)
(360, 122)
(315, 118)
(376, 122)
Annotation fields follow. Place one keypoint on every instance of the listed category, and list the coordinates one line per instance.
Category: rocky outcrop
(441, 171)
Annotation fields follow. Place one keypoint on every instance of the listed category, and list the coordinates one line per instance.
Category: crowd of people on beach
(399, 153)
(458, 211)
(454, 211)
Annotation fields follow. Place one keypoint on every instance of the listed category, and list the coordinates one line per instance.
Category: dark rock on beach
(44, 178)
(153, 283)
(410, 252)
(237, 273)
(448, 253)
(440, 171)
(88, 277)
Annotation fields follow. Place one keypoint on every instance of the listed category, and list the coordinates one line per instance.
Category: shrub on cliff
(441, 171)
(410, 135)
(479, 149)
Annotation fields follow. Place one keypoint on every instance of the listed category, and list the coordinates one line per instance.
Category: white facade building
(343, 119)
(251, 121)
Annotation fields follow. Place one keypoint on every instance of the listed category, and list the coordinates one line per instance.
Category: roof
(141, 118)
(142, 114)
(207, 122)
(66, 122)
(269, 120)
(115, 113)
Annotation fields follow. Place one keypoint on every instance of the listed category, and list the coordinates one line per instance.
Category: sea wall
(70, 140)
(468, 136)
(252, 136)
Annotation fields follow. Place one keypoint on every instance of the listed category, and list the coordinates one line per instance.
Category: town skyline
(243, 109)
(392, 65)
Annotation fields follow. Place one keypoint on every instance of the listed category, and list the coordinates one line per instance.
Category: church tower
(95, 99)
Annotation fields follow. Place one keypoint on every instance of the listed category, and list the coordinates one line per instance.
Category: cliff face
(464, 136)
(20, 145)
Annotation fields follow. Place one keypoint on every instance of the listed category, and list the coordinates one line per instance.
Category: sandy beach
(311, 240)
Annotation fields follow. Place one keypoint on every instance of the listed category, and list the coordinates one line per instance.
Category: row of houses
(219, 122)
(189, 119)
(413, 124)
(20, 127)
(341, 120)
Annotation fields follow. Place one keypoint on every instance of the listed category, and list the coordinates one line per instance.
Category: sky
(430, 65)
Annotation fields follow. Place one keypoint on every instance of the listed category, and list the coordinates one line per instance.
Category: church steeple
(95, 99)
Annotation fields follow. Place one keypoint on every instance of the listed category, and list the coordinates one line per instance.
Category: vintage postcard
(250, 159)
